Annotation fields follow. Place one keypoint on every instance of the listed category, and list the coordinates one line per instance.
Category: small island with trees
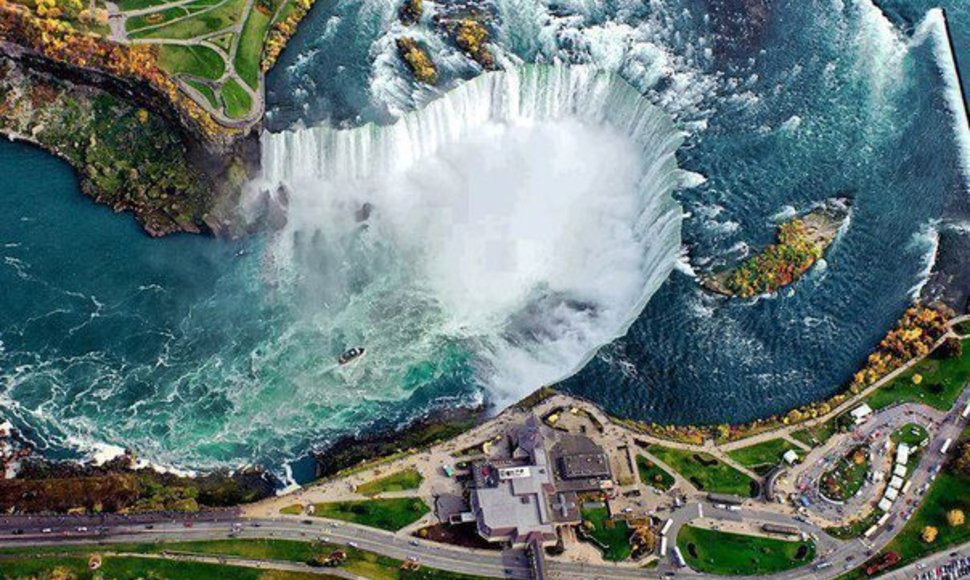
(801, 242)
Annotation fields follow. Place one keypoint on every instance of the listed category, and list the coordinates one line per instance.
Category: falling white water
(525, 218)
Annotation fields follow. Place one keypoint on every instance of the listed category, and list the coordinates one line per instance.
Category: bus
(679, 558)
(663, 546)
(946, 446)
(666, 528)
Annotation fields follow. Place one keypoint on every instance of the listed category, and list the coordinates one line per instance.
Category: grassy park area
(237, 100)
(400, 481)
(127, 564)
(613, 536)
(817, 435)
(765, 454)
(939, 383)
(653, 475)
(706, 472)
(386, 514)
(219, 48)
(723, 553)
(949, 491)
(912, 434)
(133, 567)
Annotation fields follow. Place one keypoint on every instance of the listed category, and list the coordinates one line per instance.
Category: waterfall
(526, 215)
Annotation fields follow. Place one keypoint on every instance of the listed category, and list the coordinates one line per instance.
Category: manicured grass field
(400, 481)
(724, 553)
(206, 91)
(706, 472)
(653, 475)
(222, 16)
(948, 491)
(137, 23)
(913, 434)
(125, 5)
(816, 435)
(197, 61)
(846, 478)
(943, 380)
(359, 562)
(251, 47)
(386, 514)
(614, 534)
(765, 453)
(237, 100)
(125, 568)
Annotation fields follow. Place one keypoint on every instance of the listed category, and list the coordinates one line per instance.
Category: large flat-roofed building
(511, 502)
(581, 464)
(520, 500)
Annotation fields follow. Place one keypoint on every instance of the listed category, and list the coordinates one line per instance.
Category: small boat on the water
(351, 355)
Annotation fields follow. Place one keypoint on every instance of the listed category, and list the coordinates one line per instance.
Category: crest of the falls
(522, 220)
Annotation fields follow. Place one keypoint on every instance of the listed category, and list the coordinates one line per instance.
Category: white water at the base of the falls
(524, 218)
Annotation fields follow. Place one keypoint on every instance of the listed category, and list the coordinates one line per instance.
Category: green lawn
(948, 491)
(359, 562)
(197, 61)
(706, 472)
(765, 453)
(614, 534)
(846, 477)
(224, 15)
(653, 475)
(251, 47)
(223, 41)
(237, 100)
(124, 568)
(817, 435)
(386, 514)
(207, 92)
(136, 23)
(724, 553)
(400, 481)
(913, 434)
(943, 380)
(126, 5)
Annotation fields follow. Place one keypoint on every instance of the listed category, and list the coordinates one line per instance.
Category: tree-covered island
(801, 242)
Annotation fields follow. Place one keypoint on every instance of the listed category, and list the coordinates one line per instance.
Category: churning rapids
(504, 232)
(497, 237)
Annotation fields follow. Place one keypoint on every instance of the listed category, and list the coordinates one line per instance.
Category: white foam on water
(933, 26)
(471, 241)
(926, 239)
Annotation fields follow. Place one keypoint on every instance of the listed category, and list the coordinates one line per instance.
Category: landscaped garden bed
(845, 479)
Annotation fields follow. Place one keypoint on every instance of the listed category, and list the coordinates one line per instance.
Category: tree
(929, 534)
(951, 348)
(962, 461)
(955, 518)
